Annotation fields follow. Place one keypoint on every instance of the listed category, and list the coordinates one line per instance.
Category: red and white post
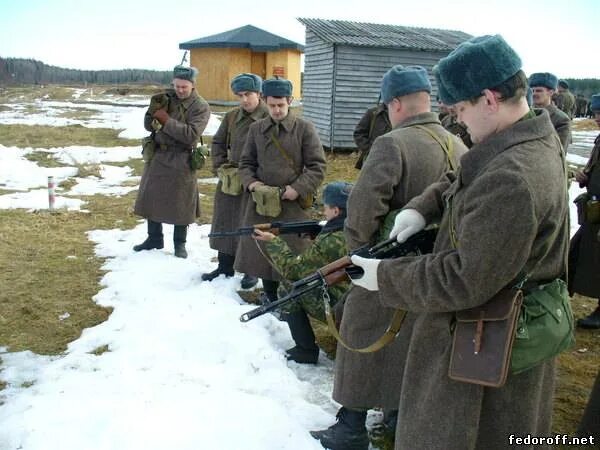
(51, 198)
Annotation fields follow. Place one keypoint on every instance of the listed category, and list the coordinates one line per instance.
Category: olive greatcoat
(509, 216)
(168, 190)
(374, 123)
(561, 123)
(401, 165)
(227, 145)
(584, 255)
(262, 161)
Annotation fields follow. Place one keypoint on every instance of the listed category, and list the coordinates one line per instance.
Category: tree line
(585, 86)
(31, 71)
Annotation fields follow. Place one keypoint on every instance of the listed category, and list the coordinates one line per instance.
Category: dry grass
(42, 136)
(585, 124)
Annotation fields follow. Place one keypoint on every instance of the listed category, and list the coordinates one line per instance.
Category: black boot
(270, 291)
(225, 267)
(592, 321)
(305, 351)
(348, 433)
(154, 239)
(179, 239)
(248, 281)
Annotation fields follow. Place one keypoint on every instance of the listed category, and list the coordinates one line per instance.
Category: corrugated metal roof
(247, 36)
(381, 35)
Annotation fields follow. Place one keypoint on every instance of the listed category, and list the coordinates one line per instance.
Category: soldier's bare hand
(254, 185)
(289, 194)
(260, 235)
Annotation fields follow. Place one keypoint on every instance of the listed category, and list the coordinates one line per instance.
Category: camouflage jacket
(328, 246)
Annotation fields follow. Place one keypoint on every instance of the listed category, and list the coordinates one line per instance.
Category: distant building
(345, 62)
(222, 56)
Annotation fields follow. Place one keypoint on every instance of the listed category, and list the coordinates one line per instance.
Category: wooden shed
(222, 56)
(345, 61)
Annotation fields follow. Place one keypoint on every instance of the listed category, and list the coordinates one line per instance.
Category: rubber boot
(592, 321)
(248, 281)
(306, 351)
(348, 433)
(225, 267)
(179, 239)
(154, 239)
(270, 290)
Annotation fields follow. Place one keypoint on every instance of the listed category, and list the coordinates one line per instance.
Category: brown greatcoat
(509, 216)
(374, 123)
(227, 146)
(561, 123)
(584, 255)
(168, 189)
(262, 161)
(401, 165)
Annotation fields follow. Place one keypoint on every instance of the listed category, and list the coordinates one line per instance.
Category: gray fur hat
(482, 62)
(544, 79)
(277, 87)
(185, 73)
(246, 82)
(336, 193)
(400, 80)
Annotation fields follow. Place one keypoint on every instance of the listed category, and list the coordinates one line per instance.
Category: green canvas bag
(268, 200)
(198, 157)
(545, 326)
(148, 148)
(231, 184)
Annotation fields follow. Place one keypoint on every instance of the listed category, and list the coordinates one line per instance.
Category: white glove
(407, 223)
(369, 278)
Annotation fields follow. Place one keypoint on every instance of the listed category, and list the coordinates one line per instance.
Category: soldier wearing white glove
(407, 223)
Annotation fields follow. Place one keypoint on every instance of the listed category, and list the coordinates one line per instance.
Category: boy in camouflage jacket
(328, 246)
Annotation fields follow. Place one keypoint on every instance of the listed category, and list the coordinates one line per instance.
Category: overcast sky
(550, 35)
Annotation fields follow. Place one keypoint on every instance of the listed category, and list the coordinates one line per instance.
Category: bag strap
(447, 147)
(230, 123)
(284, 153)
(388, 336)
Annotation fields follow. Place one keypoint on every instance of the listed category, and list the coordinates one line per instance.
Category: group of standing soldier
(500, 220)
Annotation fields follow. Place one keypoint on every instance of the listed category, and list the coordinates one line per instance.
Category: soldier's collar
(475, 160)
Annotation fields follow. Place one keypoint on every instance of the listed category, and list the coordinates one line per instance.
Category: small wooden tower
(222, 56)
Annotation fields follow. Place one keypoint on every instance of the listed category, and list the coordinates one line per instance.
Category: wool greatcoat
(168, 189)
(584, 255)
(510, 213)
(401, 165)
(562, 125)
(261, 160)
(374, 123)
(227, 145)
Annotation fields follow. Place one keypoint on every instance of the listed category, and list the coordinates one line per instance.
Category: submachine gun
(340, 269)
(303, 227)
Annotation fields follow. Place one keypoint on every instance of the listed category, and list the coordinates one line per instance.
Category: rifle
(309, 227)
(340, 269)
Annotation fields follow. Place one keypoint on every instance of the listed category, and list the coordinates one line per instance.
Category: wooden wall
(341, 82)
(217, 66)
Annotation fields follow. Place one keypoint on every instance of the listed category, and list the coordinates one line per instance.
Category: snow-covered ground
(181, 372)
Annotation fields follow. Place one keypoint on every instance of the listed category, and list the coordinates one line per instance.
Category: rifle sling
(388, 336)
(447, 147)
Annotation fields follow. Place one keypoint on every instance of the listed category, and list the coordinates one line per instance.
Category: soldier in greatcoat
(374, 123)
(282, 153)
(402, 163)
(584, 255)
(226, 149)
(168, 190)
(500, 217)
(565, 100)
(543, 86)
